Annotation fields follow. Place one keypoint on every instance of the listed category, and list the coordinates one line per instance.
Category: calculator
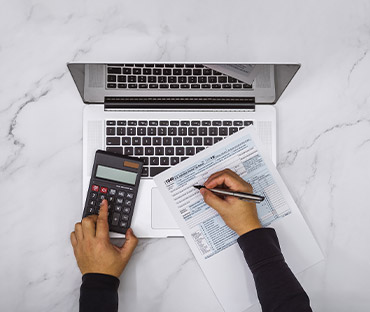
(116, 178)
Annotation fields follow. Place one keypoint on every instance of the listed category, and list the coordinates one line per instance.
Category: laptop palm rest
(161, 216)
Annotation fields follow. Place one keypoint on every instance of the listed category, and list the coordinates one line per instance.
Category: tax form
(212, 242)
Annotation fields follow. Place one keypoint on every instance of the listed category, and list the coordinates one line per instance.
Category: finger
(79, 232)
(89, 226)
(213, 200)
(130, 244)
(73, 239)
(234, 183)
(218, 173)
(102, 227)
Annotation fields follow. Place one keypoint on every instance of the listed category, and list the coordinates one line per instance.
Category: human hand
(239, 215)
(93, 250)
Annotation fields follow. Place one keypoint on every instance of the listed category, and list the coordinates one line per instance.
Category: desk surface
(323, 137)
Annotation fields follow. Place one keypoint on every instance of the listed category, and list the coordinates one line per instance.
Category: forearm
(277, 287)
(98, 293)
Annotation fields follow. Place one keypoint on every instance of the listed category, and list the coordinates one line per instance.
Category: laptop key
(177, 141)
(198, 141)
(202, 131)
(122, 85)
(136, 71)
(167, 72)
(195, 86)
(226, 86)
(114, 70)
(152, 131)
(188, 141)
(206, 123)
(147, 141)
(162, 79)
(111, 122)
(149, 151)
(208, 141)
(152, 79)
(164, 123)
(121, 122)
(157, 141)
(222, 131)
(174, 86)
(153, 122)
(169, 150)
(147, 71)
(118, 150)
(190, 151)
(131, 131)
(112, 78)
(216, 86)
(185, 123)
(177, 71)
(184, 86)
(172, 131)
(227, 123)
(193, 131)
(154, 161)
(126, 141)
(184, 158)
(199, 149)
(139, 150)
(136, 141)
(175, 160)
(217, 140)
(248, 122)
(195, 123)
(213, 131)
(111, 85)
(180, 150)
(182, 79)
(131, 79)
(164, 86)
(182, 131)
(238, 123)
(216, 123)
(126, 71)
(202, 79)
(143, 86)
(132, 86)
(113, 141)
(164, 161)
(159, 150)
(129, 150)
(145, 172)
(145, 160)
(232, 130)
(207, 71)
(141, 131)
(156, 170)
(206, 86)
(172, 79)
(167, 141)
(110, 131)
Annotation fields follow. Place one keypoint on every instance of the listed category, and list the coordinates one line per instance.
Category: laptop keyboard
(169, 76)
(164, 143)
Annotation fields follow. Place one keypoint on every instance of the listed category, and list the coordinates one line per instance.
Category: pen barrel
(247, 196)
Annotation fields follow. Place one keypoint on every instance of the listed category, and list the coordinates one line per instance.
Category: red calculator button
(95, 188)
(103, 190)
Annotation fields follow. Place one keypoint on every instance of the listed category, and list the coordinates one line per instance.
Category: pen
(245, 196)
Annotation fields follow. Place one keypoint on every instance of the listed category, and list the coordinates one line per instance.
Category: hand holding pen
(241, 216)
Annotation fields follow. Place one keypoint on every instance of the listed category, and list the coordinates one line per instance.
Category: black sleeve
(277, 287)
(98, 293)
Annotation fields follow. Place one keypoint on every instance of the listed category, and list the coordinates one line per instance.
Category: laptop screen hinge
(119, 102)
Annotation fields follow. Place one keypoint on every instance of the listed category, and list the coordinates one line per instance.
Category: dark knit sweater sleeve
(277, 288)
(98, 293)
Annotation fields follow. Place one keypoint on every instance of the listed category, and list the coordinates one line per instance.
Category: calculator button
(90, 210)
(110, 199)
(126, 210)
(118, 208)
(92, 203)
(103, 190)
(115, 218)
(119, 201)
(112, 192)
(130, 195)
(102, 197)
(124, 217)
(95, 188)
(93, 195)
(128, 202)
(123, 224)
(121, 193)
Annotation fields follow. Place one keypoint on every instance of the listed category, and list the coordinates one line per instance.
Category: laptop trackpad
(161, 216)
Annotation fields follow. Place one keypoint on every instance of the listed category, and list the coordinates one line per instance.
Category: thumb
(130, 244)
(213, 200)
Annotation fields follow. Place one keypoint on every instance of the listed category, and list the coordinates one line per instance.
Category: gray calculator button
(92, 203)
(121, 193)
(118, 208)
(128, 202)
(123, 224)
(112, 192)
(93, 195)
(126, 210)
(124, 217)
(90, 210)
(102, 196)
(115, 218)
(130, 195)
(110, 198)
(119, 201)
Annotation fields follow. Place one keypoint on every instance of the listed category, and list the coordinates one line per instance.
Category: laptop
(166, 112)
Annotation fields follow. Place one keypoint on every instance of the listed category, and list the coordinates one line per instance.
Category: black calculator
(116, 178)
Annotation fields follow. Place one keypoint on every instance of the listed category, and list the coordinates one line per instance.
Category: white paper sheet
(213, 244)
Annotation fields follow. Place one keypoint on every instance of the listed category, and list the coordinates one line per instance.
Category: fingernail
(202, 190)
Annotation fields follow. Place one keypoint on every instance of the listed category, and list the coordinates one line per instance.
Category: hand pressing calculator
(115, 178)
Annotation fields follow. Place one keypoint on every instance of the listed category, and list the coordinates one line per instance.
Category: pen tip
(198, 186)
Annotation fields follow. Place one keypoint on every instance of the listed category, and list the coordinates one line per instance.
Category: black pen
(245, 196)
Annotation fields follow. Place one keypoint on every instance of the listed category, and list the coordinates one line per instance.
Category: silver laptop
(167, 112)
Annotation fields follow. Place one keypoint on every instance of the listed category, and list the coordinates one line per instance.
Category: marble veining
(323, 138)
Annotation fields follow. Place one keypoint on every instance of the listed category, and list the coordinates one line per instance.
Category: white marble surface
(323, 134)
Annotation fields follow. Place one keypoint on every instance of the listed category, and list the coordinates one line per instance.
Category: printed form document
(212, 242)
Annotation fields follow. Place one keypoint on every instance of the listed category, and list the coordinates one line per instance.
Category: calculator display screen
(116, 175)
